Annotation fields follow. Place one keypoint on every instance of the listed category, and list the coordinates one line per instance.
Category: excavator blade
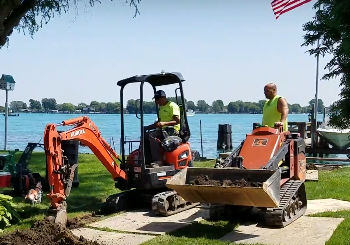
(61, 218)
(232, 186)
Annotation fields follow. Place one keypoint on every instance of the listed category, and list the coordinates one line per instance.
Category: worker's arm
(176, 120)
(282, 107)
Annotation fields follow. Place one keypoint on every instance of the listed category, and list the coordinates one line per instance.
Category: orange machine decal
(260, 142)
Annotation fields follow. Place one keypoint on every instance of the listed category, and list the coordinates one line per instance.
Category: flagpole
(316, 94)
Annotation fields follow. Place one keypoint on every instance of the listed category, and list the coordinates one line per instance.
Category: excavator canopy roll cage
(155, 80)
(159, 79)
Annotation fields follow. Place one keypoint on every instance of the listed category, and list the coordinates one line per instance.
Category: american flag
(280, 7)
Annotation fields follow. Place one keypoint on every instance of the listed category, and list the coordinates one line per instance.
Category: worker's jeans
(153, 139)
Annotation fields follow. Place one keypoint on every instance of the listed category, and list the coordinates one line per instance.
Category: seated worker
(275, 111)
(168, 124)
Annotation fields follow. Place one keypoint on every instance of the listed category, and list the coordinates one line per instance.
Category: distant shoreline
(104, 113)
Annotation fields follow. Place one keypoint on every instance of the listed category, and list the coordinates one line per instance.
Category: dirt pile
(205, 180)
(42, 233)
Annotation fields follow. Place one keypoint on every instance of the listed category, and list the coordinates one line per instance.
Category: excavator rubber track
(292, 205)
(169, 202)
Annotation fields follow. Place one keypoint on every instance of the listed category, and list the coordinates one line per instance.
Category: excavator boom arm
(87, 133)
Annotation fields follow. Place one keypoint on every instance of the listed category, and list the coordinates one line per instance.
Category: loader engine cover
(260, 146)
(170, 143)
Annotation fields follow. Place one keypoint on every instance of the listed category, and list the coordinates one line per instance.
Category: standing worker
(275, 111)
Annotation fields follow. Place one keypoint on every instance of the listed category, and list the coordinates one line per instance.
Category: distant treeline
(47, 105)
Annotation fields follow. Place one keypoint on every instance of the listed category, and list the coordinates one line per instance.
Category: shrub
(8, 213)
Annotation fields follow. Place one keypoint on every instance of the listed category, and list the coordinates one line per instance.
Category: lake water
(29, 127)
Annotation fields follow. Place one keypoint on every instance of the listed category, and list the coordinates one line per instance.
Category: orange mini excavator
(142, 180)
(266, 171)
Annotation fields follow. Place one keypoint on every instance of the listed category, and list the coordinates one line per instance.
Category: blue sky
(225, 50)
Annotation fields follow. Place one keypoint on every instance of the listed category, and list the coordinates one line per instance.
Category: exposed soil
(328, 167)
(42, 233)
(311, 166)
(78, 222)
(205, 180)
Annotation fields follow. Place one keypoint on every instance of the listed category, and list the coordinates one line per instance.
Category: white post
(6, 117)
(316, 94)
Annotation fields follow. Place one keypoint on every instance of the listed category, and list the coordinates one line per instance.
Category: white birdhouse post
(7, 83)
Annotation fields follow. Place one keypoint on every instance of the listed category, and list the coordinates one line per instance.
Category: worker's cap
(158, 94)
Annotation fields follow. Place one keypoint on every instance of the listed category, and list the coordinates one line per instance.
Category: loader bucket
(232, 186)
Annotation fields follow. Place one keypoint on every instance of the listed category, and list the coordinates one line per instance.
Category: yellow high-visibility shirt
(166, 113)
(271, 114)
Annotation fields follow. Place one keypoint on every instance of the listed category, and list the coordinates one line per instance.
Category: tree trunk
(11, 13)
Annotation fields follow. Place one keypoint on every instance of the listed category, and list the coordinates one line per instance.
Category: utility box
(7, 82)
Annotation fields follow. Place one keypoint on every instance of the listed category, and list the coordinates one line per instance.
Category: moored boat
(190, 113)
(11, 114)
(339, 138)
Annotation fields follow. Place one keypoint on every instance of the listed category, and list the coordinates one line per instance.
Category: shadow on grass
(206, 229)
(82, 203)
(224, 221)
(30, 211)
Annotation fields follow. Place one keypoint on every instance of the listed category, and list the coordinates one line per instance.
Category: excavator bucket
(232, 186)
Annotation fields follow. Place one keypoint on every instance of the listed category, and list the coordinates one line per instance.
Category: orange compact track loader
(266, 171)
(141, 180)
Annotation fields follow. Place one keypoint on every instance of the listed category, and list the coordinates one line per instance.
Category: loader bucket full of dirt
(243, 187)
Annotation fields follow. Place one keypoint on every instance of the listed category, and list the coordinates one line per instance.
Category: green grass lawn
(96, 185)
(333, 184)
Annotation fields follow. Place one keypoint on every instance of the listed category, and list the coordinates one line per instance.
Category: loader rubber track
(292, 205)
(169, 202)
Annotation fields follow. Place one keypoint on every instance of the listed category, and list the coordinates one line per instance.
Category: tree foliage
(81, 106)
(190, 105)
(34, 105)
(49, 104)
(17, 106)
(218, 106)
(113, 107)
(202, 106)
(331, 26)
(66, 107)
(132, 106)
(296, 108)
(149, 107)
(30, 15)
(233, 107)
(320, 105)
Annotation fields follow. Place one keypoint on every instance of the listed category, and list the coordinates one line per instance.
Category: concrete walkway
(323, 205)
(305, 230)
(136, 227)
(111, 237)
(131, 228)
(144, 222)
